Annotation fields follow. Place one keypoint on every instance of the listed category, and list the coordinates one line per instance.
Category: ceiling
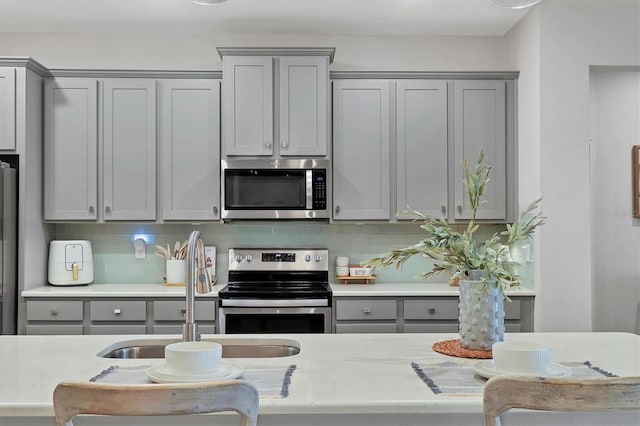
(257, 17)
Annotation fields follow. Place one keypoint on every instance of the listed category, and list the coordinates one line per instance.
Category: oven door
(234, 320)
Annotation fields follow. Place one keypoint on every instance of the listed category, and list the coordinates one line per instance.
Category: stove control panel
(278, 260)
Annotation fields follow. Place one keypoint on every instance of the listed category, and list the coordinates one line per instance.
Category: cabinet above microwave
(275, 101)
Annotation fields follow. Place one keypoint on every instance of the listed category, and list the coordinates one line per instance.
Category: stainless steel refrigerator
(8, 249)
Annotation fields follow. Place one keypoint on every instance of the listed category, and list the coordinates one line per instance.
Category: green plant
(456, 252)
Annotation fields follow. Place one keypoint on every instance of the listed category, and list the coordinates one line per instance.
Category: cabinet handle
(284, 144)
(107, 209)
(90, 209)
(337, 209)
(215, 210)
(183, 312)
(117, 311)
(459, 209)
(444, 209)
(431, 310)
(54, 312)
(366, 310)
(267, 145)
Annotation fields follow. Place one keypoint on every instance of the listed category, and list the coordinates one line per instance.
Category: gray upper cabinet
(190, 149)
(129, 152)
(7, 108)
(247, 104)
(70, 149)
(304, 92)
(421, 132)
(285, 118)
(361, 149)
(480, 123)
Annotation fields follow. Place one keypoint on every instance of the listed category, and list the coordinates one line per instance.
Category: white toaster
(70, 262)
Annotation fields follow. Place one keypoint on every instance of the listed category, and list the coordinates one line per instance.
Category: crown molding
(277, 51)
(105, 73)
(24, 61)
(475, 75)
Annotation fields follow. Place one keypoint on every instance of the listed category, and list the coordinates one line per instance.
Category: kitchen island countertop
(353, 379)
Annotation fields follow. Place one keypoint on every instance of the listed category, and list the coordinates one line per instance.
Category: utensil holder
(176, 271)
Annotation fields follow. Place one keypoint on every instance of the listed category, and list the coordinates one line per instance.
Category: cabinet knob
(284, 144)
(117, 311)
(337, 209)
(444, 209)
(107, 209)
(366, 310)
(183, 312)
(431, 310)
(54, 312)
(215, 210)
(267, 145)
(459, 209)
(90, 209)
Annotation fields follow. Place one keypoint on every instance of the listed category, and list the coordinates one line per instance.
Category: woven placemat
(453, 348)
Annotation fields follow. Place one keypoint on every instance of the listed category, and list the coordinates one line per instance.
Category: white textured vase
(480, 314)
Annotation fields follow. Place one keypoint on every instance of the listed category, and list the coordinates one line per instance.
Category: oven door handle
(274, 303)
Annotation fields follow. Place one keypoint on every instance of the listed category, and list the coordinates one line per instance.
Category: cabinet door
(190, 149)
(7, 108)
(247, 90)
(480, 124)
(421, 122)
(361, 149)
(129, 155)
(70, 149)
(304, 86)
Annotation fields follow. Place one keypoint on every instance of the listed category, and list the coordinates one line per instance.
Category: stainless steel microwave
(275, 189)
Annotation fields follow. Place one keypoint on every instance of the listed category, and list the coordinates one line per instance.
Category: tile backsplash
(114, 261)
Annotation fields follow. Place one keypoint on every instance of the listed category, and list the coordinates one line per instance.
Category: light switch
(140, 248)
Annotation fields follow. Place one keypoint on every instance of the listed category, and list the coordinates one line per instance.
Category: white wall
(573, 35)
(615, 128)
(172, 52)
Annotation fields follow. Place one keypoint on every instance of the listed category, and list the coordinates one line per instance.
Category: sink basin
(231, 348)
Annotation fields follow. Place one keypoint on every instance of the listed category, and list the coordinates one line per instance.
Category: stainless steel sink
(231, 348)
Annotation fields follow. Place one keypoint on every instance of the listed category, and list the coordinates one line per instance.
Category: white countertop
(339, 290)
(343, 374)
(114, 290)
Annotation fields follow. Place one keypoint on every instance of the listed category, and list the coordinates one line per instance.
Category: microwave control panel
(319, 189)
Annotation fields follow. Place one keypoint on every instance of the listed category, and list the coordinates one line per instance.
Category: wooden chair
(72, 398)
(569, 394)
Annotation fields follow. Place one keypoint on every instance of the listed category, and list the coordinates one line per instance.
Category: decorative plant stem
(454, 252)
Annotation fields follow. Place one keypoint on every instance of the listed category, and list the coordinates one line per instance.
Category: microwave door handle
(309, 192)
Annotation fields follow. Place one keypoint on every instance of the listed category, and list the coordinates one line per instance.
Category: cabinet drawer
(49, 329)
(436, 309)
(117, 329)
(512, 309)
(118, 310)
(54, 310)
(174, 310)
(177, 329)
(366, 328)
(366, 309)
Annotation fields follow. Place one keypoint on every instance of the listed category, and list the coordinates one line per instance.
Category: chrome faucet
(197, 280)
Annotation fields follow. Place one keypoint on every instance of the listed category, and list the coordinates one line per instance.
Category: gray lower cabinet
(437, 314)
(116, 316)
(55, 316)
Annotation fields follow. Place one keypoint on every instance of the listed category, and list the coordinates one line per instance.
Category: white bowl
(342, 261)
(342, 271)
(359, 272)
(521, 357)
(193, 357)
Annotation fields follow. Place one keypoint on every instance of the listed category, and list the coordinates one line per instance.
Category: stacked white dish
(342, 266)
(521, 358)
(193, 362)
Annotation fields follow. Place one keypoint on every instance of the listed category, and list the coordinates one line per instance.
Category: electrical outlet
(139, 249)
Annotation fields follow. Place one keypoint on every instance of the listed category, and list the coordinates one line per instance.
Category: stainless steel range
(276, 291)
